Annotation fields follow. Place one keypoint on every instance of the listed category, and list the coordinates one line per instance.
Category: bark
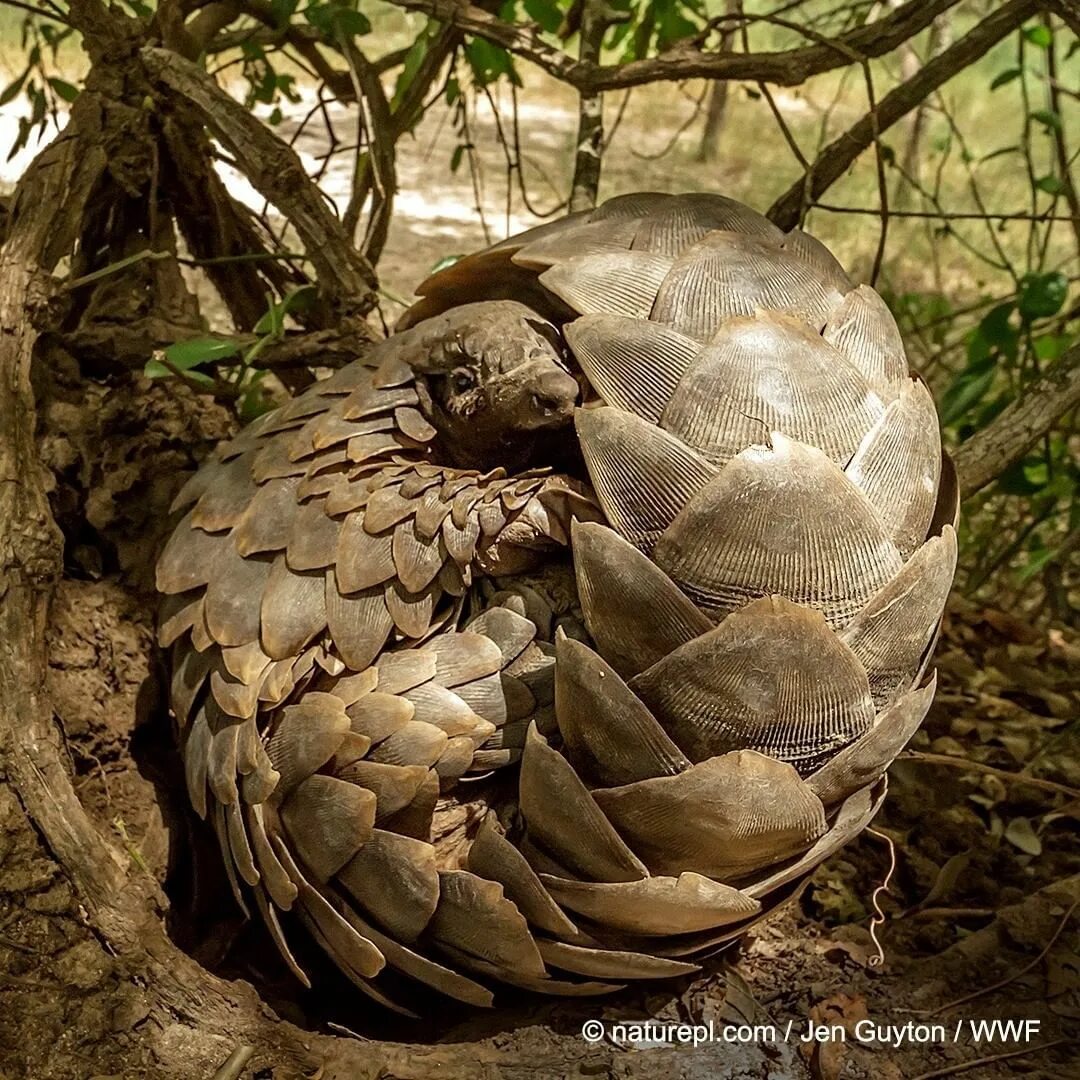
(988, 453)
(596, 17)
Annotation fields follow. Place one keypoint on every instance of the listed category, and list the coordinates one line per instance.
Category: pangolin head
(492, 380)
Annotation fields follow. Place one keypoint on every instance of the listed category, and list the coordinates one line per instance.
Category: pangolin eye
(462, 379)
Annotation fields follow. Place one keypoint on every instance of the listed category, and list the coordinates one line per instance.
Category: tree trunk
(709, 147)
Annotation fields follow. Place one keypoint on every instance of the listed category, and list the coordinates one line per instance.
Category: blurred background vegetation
(429, 138)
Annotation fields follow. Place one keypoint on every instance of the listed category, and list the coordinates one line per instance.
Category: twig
(788, 67)
(948, 913)
(275, 170)
(946, 215)
(34, 11)
(1009, 979)
(146, 255)
(964, 1066)
(234, 1063)
(835, 160)
(978, 766)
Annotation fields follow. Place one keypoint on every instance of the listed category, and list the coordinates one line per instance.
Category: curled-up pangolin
(760, 525)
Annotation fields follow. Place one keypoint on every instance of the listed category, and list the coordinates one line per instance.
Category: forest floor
(979, 920)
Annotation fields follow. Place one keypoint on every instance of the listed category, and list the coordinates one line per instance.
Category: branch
(988, 453)
(836, 158)
(1069, 10)
(274, 169)
(788, 67)
(380, 161)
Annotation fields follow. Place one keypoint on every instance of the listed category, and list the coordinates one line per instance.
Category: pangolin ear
(546, 331)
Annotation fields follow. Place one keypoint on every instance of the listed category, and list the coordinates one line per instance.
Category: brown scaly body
(761, 593)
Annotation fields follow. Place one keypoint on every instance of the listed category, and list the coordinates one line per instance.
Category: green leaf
(1004, 77)
(1048, 118)
(1041, 36)
(297, 300)
(64, 89)
(11, 91)
(444, 262)
(995, 337)
(1023, 477)
(185, 355)
(281, 11)
(155, 369)
(352, 23)
(1050, 184)
(456, 156)
(544, 12)
(966, 391)
(487, 62)
(1050, 347)
(1036, 563)
(1042, 295)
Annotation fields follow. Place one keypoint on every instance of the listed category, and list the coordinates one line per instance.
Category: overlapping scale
(864, 330)
(730, 273)
(749, 811)
(769, 373)
(623, 283)
(898, 465)
(780, 520)
(866, 759)
(607, 731)
(633, 610)
(685, 219)
(655, 905)
(395, 879)
(633, 364)
(771, 677)
(643, 477)
(891, 634)
(563, 817)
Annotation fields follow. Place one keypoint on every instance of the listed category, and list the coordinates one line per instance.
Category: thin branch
(788, 67)
(596, 17)
(380, 160)
(835, 160)
(35, 11)
(977, 766)
(1009, 979)
(1068, 187)
(274, 169)
(946, 215)
(991, 1059)
(989, 452)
